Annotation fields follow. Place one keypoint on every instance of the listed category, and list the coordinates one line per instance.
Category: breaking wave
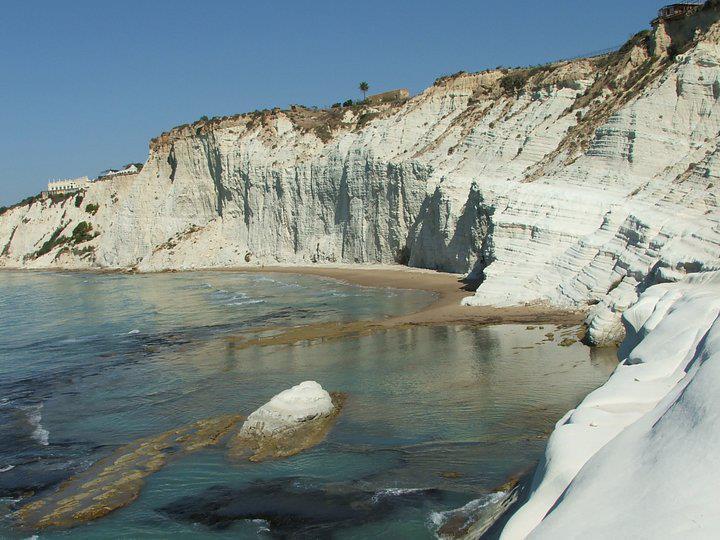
(466, 513)
(245, 302)
(39, 434)
(263, 525)
(279, 283)
(394, 492)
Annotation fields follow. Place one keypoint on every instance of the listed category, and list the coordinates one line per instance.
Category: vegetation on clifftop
(27, 201)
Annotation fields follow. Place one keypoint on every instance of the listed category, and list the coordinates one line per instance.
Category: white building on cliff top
(132, 168)
(69, 185)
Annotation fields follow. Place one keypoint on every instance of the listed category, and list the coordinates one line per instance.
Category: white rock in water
(305, 401)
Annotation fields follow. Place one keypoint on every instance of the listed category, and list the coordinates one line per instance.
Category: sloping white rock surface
(639, 457)
(288, 409)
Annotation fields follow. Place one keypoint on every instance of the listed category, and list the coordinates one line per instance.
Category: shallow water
(436, 416)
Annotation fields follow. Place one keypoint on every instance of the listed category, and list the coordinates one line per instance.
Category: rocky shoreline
(293, 421)
(579, 192)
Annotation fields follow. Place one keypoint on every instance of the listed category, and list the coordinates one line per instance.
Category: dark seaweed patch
(290, 508)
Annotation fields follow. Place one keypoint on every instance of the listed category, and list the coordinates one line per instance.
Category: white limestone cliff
(639, 456)
(577, 184)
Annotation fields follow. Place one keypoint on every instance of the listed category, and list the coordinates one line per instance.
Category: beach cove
(440, 409)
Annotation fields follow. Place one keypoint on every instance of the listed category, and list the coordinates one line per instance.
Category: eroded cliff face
(577, 184)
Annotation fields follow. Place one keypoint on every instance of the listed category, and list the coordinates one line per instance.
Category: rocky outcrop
(116, 481)
(292, 421)
(302, 403)
(637, 457)
(577, 184)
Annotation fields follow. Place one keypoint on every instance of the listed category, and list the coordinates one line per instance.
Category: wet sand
(449, 290)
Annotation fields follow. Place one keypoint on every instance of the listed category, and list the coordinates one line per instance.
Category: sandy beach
(445, 309)
(449, 290)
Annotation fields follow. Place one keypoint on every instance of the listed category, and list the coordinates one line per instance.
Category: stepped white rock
(577, 185)
(639, 456)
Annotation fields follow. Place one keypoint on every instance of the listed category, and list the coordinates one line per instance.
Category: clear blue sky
(84, 84)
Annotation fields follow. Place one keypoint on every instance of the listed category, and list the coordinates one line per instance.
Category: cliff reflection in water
(450, 411)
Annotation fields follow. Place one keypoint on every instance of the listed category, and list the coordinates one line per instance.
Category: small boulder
(292, 421)
(305, 401)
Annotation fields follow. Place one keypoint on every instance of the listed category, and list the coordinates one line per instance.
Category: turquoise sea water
(436, 417)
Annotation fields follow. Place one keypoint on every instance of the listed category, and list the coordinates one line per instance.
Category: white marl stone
(288, 409)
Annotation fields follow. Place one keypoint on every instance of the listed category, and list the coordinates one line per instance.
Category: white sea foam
(393, 492)
(265, 278)
(338, 294)
(263, 525)
(7, 468)
(40, 434)
(71, 340)
(279, 283)
(133, 332)
(245, 302)
(438, 519)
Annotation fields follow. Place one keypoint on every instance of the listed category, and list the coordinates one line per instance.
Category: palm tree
(364, 87)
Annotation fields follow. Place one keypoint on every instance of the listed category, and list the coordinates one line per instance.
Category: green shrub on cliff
(81, 233)
(514, 81)
(92, 208)
(27, 201)
(54, 240)
(56, 198)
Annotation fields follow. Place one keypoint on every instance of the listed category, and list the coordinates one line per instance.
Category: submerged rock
(484, 517)
(472, 520)
(116, 481)
(292, 421)
(291, 507)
